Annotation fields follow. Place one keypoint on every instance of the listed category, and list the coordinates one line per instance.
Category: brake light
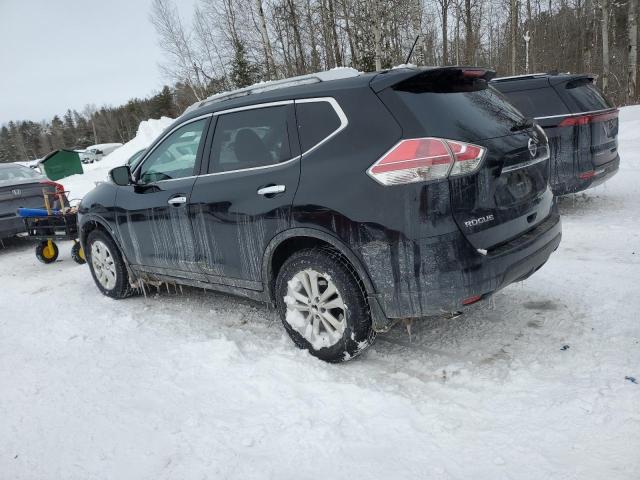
(586, 119)
(473, 299)
(474, 72)
(425, 159)
(587, 175)
(59, 188)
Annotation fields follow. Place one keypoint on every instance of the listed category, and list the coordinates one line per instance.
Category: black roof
(536, 80)
(375, 80)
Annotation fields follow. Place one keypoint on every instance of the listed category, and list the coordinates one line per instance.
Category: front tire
(323, 306)
(107, 266)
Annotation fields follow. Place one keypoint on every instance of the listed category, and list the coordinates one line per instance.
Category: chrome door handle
(270, 190)
(180, 200)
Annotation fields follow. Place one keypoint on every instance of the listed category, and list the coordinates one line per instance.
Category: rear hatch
(21, 187)
(593, 122)
(16, 195)
(508, 193)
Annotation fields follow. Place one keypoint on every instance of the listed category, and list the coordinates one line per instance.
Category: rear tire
(46, 253)
(322, 305)
(107, 267)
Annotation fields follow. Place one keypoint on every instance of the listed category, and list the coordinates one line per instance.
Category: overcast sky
(59, 54)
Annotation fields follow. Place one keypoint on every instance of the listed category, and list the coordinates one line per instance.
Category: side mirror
(98, 152)
(121, 176)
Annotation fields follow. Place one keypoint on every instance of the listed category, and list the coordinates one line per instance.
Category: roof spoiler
(389, 78)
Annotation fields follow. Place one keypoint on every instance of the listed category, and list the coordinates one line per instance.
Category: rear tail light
(59, 188)
(587, 175)
(467, 157)
(473, 299)
(426, 159)
(589, 118)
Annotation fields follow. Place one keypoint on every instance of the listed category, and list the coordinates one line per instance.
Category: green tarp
(61, 163)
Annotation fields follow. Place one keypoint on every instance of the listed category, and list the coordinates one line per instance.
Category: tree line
(227, 44)
(28, 140)
(233, 43)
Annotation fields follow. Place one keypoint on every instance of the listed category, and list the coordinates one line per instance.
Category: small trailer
(48, 224)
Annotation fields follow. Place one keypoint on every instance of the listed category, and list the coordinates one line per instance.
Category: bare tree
(632, 69)
(271, 66)
(175, 41)
(469, 40)
(444, 12)
(604, 23)
(513, 25)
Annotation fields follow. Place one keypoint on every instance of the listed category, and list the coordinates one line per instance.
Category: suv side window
(176, 156)
(250, 138)
(316, 121)
(539, 102)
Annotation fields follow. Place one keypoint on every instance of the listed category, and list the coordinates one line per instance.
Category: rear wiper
(526, 123)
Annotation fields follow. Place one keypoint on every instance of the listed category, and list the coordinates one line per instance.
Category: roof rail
(521, 77)
(334, 74)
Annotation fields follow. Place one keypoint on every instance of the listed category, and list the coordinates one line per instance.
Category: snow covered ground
(204, 385)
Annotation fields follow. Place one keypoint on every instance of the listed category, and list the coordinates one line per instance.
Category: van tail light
(589, 118)
(425, 159)
(59, 188)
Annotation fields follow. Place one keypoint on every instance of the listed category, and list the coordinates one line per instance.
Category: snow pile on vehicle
(148, 131)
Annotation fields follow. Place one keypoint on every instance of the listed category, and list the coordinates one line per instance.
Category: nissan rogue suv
(347, 203)
(581, 124)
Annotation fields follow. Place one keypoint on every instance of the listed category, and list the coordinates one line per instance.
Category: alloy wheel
(103, 264)
(315, 308)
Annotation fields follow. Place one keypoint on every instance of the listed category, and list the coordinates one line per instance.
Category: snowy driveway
(203, 385)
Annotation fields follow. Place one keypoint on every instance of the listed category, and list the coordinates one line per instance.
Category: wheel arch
(283, 245)
(94, 222)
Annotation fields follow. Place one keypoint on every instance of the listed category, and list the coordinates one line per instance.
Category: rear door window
(316, 121)
(583, 96)
(538, 102)
(250, 138)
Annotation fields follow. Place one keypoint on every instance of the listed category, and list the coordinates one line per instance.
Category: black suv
(348, 203)
(581, 124)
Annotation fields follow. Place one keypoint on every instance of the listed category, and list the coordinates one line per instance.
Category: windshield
(12, 173)
(135, 159)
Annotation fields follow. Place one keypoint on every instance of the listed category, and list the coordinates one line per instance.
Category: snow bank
(148, 131)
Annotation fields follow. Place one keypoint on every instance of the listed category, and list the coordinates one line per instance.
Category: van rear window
(538, 102)
(583, 96)
(471, 110)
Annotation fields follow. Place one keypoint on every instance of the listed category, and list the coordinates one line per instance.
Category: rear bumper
(11, 226)
(595, 176)
(435, 276)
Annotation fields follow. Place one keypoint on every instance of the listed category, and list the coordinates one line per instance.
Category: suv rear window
(539, 102)
(583, 96)
(451, 107)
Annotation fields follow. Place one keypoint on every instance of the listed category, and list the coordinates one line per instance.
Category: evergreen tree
(69, 130)
(243, 73)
